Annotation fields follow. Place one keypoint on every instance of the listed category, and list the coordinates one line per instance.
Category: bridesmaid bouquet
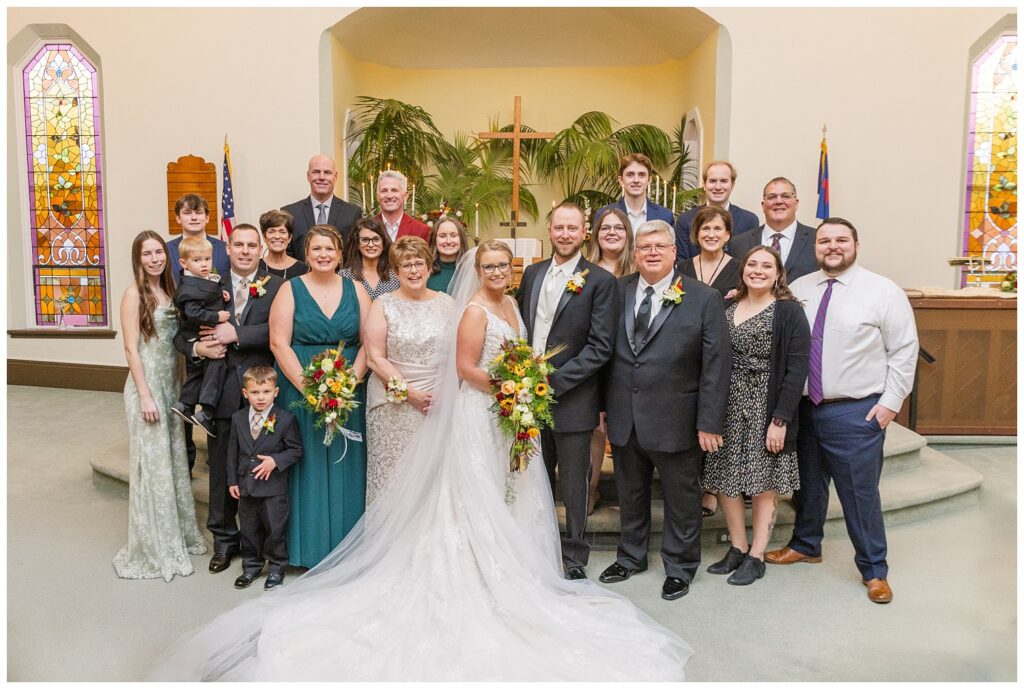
(522, 400)
(328, 391)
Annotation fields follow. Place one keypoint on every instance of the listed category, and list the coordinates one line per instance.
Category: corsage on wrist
(397, 392)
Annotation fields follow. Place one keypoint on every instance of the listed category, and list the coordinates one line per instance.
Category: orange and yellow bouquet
(328, 391)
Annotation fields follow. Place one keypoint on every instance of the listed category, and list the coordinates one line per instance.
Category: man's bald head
(322, 175)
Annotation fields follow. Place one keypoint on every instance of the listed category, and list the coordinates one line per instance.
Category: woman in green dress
(448, 243)
(311, 313)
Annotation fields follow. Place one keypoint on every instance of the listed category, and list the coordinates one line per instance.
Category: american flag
(227, 198)
(823, 184)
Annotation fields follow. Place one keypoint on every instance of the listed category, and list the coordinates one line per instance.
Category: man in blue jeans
(860, 369)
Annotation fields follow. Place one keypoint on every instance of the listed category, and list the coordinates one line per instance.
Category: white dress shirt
(327, 209)
(785, 241)
(392, 228)
(659, 288)
(556, 280)
(264, 415)
(869, 346)
(636, 219)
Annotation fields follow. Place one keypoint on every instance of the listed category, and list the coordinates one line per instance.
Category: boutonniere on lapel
(259, 287)
(674, 294)
(577, 281)
(268, 425)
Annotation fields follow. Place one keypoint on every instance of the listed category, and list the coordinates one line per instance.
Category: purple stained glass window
(65, 188)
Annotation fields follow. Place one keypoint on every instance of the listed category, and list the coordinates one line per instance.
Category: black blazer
(199, 302)
(252, 348)
(801, 259)
(676, 381)
(585, 324)
(343, 216)
(284, 445)
(787, 369)
(726, 281)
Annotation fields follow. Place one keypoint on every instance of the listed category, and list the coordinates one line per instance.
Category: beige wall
(251, 74)
(891, 86)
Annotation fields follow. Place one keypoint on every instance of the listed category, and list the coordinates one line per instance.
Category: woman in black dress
(276, 227)
(711, 231)
(770, 345)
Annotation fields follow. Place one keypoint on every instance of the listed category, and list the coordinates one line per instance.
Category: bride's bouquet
(522, 401)
(328, 391)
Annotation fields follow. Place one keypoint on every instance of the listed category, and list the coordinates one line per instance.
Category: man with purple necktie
(861, 367)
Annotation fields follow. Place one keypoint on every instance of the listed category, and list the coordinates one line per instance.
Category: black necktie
(643, 317)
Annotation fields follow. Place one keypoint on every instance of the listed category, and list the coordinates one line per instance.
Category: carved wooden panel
(192, 175)
(971, 389)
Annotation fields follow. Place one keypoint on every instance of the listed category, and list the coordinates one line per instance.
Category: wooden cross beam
(517, 135)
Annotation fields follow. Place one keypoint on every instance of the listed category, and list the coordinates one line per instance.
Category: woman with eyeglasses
(404, 334)
(276, 227)
(366, 258)
(710, 231)
(611, 247)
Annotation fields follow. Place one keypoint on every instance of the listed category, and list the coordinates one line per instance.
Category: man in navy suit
(781, 231)
(634, 177)
(321, 207)
(719, 181)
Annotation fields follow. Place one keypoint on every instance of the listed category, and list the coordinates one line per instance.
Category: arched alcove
(465, 65)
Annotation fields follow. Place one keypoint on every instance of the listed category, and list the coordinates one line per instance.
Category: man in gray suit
(321, 207)
(666, 392)
(781, 231)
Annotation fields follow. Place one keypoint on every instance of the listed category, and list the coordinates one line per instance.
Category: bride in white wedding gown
(441, 579)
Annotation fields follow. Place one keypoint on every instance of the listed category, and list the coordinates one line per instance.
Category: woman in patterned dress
(770, 344)
(404, 334)
(366, 258)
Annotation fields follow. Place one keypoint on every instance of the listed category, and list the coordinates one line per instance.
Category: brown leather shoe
(788, 556)
(878, 590)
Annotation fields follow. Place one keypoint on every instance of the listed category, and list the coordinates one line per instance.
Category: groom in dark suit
(666, 392)
(244, 341)
(571, 302)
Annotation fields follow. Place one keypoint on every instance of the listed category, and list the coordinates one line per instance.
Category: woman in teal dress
(312, 313)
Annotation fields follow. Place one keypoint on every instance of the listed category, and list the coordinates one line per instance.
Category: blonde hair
(192, 246)
(405, 247)
(491, 245)
(259, 374)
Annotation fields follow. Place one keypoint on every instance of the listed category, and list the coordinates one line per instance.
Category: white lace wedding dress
(441, 580)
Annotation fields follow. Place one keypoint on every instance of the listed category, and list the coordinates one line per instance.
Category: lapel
(630, 289)
(333, 216)
(264, 435)
(800, 241)
(566, 294)
(307, 211)
(245, 434)
(538, 280)
(250, 300)
(662, 316)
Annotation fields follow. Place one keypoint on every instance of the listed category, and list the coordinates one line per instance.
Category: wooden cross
(517, 135)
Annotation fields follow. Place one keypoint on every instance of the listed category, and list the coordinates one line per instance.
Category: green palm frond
(396, 135)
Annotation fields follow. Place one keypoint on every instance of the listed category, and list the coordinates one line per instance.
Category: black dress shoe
(730, 563)
(616, 573)
(749, 571)
(247, 578)
(220, 561)
(674, 588)
(205, 422)
(274, 579)
(574, 573)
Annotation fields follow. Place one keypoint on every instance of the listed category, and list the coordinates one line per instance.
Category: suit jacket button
(636, 365)
(636, 389)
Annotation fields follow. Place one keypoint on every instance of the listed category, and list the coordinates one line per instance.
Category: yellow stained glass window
(990, 222)
(62, 129)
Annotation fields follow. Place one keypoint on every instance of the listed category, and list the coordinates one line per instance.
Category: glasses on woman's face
(413, 265)
(612, 229)
(370, 241)
(489, 268)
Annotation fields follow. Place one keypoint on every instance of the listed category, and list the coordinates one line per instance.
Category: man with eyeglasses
(321, 207)
(719, 181)
(569, 301)
(666, 391)
(392, 192)
(635, 171)
(781, 231)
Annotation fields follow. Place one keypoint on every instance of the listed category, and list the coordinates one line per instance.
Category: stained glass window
(990, 222)
(62, 130)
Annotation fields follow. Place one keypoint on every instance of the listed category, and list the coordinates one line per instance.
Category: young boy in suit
(200, 301)
(264, 442)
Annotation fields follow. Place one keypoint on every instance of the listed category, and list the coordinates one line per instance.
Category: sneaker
(182, 411)
(205, 422)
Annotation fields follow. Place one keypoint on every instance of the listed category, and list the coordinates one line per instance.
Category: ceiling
(465, 37)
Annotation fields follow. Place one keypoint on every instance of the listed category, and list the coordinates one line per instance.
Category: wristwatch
(776, 421)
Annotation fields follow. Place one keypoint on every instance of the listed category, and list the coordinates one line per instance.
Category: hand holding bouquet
(328, 391)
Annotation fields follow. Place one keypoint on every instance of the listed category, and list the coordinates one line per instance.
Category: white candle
(413, 207)
(370, 177)
(673, 199)
(362, 193)
(649, 189)
(476, 223)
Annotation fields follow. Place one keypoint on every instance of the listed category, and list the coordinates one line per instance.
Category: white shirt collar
(265, 413)
(642, 211)
(316, 203)
(566, 267)
(844, 278)
(236, 278)
(659, 287)
(788, 233)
